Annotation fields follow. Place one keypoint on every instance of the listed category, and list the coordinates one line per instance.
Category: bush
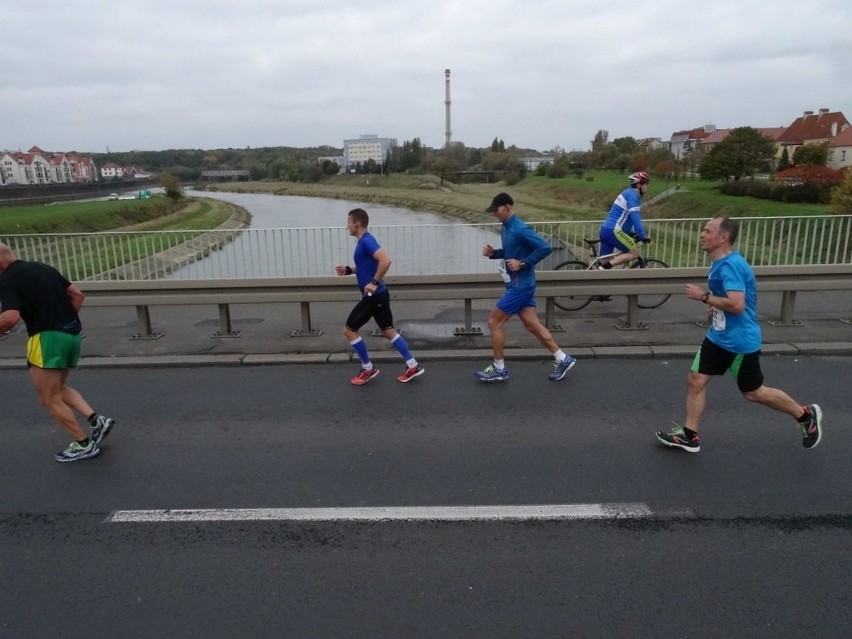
(512, 176)
(542, 169)
(557, 171)
(800, 184)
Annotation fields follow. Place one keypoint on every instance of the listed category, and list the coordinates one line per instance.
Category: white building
(366, 147)
(532, 163)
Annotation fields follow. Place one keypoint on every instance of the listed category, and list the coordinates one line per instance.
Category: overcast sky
(152, 74)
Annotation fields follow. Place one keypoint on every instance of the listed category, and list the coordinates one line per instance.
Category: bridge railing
(416, 249)
(461, 287)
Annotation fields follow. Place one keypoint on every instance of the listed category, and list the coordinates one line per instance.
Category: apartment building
(367, 147)
(40, 167)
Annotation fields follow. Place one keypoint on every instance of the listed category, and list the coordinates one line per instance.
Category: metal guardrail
(463, 287)
(416, 249)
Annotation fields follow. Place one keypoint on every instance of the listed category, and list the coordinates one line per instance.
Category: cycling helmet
(639, 178)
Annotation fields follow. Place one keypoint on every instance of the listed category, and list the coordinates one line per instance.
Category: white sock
(560, 356)
(499, 364)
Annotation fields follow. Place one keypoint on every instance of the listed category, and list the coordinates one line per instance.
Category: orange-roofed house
(813, 128)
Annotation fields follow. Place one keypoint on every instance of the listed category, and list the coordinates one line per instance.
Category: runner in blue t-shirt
(732, 342)
(371, 265)
(624, 219)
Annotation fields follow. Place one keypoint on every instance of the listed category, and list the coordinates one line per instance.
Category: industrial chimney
(447, 106)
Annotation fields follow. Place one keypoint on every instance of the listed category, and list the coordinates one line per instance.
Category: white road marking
(542, 512)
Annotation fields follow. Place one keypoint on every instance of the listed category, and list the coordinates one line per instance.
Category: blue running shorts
(515, 300)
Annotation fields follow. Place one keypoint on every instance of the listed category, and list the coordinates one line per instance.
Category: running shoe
(492, 374)
(678, 438)
(101, 428)
(364, 376)
(410, 373)
(76, 452)
(560, 369)
(812, 429)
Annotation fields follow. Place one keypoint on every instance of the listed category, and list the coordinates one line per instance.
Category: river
(304, 236)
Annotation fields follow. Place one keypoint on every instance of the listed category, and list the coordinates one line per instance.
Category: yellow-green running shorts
(53, 349)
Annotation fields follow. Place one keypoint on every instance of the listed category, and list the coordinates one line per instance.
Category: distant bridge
(223, 176)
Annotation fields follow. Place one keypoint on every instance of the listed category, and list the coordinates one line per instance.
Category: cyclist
(623, 220)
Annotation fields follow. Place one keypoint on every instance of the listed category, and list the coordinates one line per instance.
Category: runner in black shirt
(48, 304)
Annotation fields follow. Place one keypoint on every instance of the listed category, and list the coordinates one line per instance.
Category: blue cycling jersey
(624, 214)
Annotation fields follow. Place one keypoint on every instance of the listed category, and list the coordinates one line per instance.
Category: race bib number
(718, 319)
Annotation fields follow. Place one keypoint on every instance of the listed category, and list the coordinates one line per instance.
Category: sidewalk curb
(662, 352)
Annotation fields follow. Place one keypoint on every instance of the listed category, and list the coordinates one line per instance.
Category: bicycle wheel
(572, 302)
(651, 301)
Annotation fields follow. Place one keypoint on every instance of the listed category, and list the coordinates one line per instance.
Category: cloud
(218, 74)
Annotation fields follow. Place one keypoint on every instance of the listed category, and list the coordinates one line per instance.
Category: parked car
(113, 196)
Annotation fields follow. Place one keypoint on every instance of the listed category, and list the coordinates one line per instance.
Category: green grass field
(102, 215)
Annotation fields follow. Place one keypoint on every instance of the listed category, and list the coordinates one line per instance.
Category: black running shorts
(712, 359)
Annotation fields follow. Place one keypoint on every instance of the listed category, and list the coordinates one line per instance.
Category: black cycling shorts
(376, 306)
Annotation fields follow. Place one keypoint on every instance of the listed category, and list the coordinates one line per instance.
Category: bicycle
(576, 302)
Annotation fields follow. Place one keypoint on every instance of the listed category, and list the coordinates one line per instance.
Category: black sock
(805, 416)
(93, 418)
(689, 432)
(607, 265)
(83, 442)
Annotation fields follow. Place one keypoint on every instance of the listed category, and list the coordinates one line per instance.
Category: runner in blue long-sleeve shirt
(523, 248)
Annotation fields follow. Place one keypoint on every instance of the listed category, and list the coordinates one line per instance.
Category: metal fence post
(788, 305)
(143, 316)
(633, 323)
(225, 329)
(306, 330)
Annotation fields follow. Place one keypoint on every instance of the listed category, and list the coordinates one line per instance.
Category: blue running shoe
(492, 374)
(560, 369)
(101, 428)
(76, 452)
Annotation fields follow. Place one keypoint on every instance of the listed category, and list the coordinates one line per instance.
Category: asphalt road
(749, 538)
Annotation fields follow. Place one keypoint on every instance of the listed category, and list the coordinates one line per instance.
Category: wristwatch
(705, 297)
(374, 282)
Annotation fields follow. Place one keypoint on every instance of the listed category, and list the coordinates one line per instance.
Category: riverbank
(467, 202)
(536, 198)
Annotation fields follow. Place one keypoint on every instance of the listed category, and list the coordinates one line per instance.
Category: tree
(627, 145)
(412, 154)
(445, 167)
(457, 152)
(639, 162)
(172, 187)
(841, 195)
(816, 154)
(600, 141)
(495, 161)
(784, 162)
(741, 154)
(515, 171)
